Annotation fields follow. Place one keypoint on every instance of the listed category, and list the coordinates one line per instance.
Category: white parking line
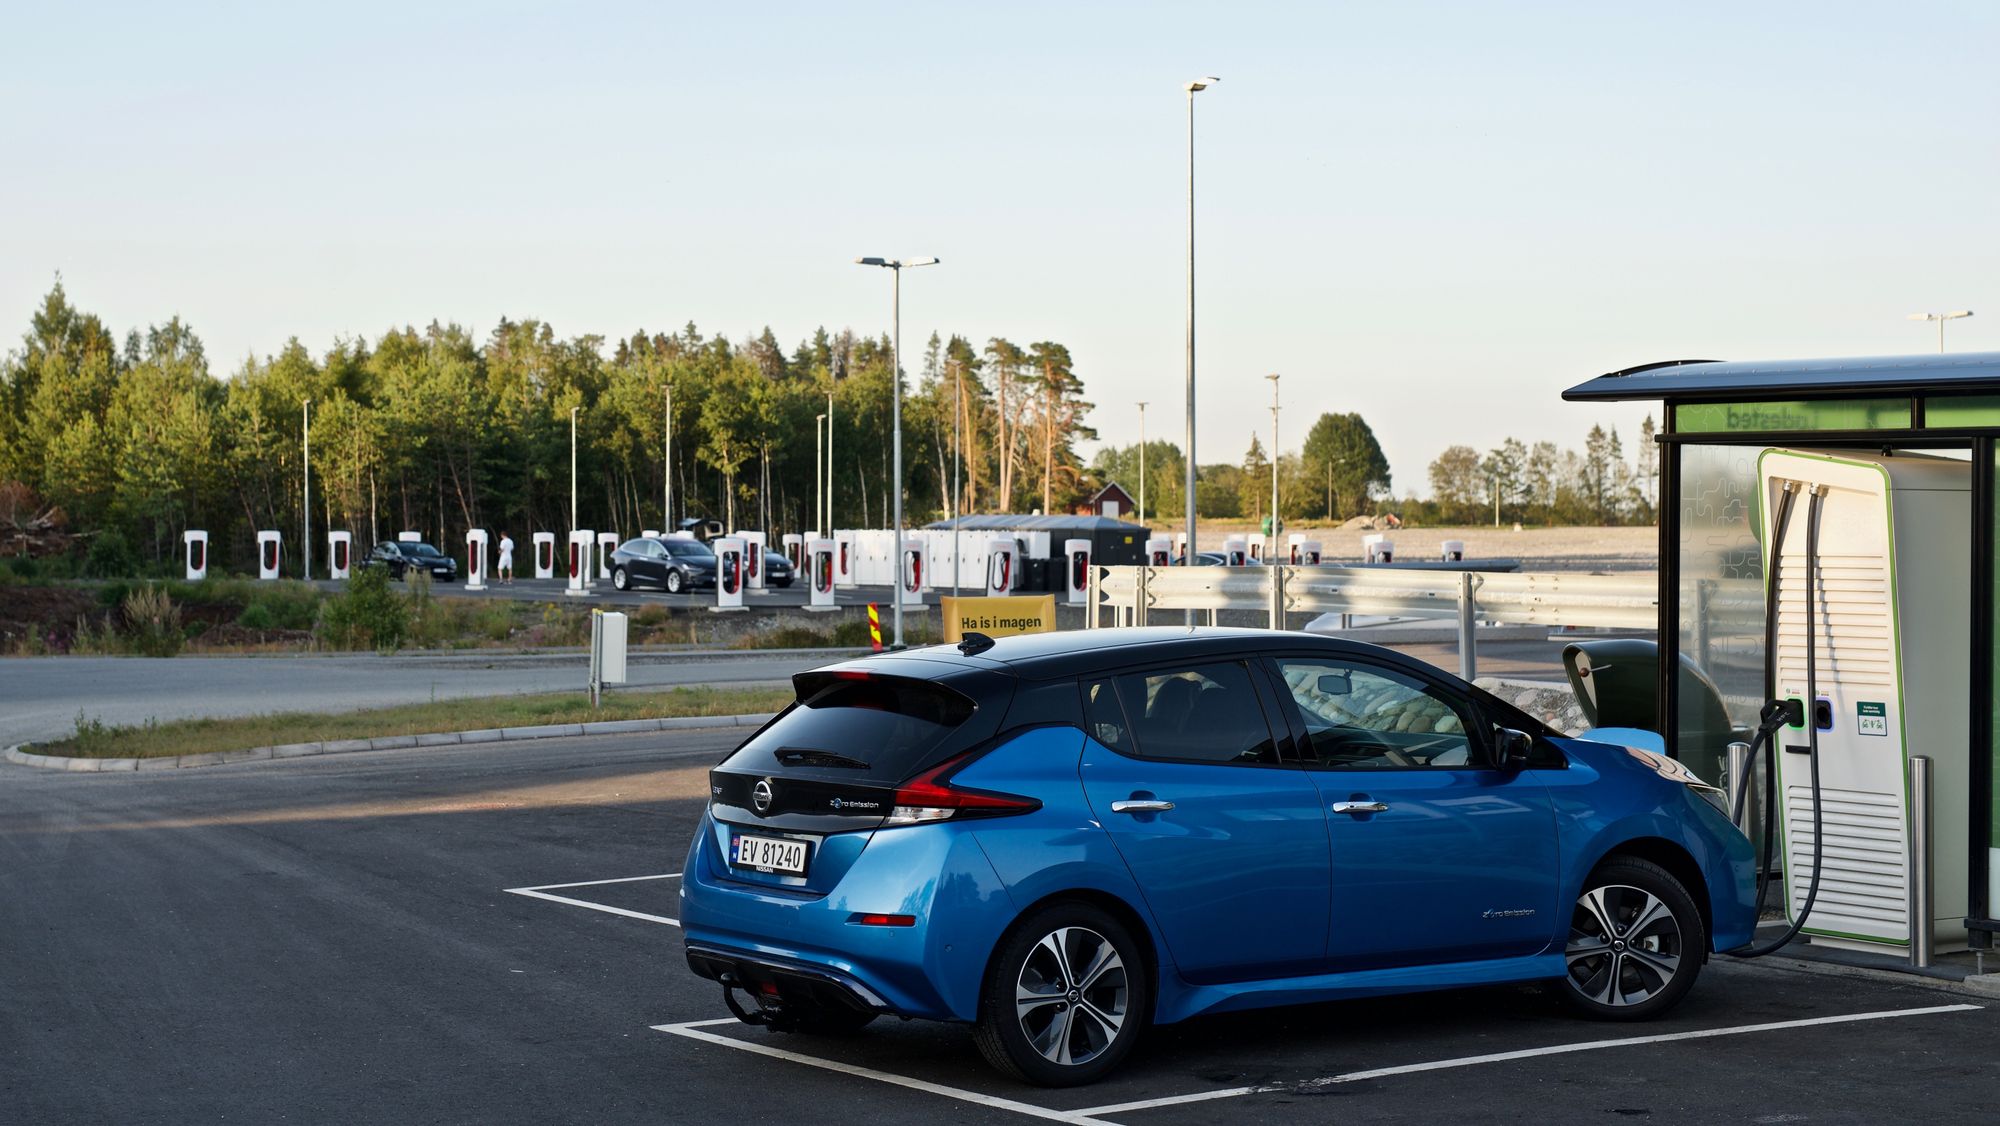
(1526, 1053)
(541, 891)
(693, 1031)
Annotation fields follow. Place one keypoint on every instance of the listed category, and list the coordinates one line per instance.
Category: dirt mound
(1358, 524)
(43, 617)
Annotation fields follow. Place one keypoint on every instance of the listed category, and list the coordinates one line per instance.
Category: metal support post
(1277, 591)
(1468, 656)
(1140, 597)
(1923, 928)
(1739, 765)
(1089, 594)
(596, 657)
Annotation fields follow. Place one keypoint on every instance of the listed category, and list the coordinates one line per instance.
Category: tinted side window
(1360, 717)
(1198, 713)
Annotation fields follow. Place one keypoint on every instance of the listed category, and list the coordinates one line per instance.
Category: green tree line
(431, 430)
(1543, 484)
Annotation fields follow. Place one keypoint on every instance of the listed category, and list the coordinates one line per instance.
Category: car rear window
(881, 729)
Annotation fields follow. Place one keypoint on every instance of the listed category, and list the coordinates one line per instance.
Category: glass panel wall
(1721, 603)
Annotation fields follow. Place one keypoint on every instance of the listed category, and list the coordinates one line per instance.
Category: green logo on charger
(1871, 718)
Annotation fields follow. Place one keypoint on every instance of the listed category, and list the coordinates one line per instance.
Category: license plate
(768, 854)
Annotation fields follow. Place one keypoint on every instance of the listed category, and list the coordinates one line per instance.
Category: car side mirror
(1511, 748)
(1336, 683)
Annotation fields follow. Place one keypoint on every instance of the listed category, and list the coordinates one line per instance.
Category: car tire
(1636, 942)
(1098, 1017)
(620, 579)
(676, 582)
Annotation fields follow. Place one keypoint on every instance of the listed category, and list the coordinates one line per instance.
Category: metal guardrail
(1554, 599)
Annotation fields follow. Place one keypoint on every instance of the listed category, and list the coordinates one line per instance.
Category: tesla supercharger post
(795, 550)
(910, 576)
(1311, 552)
(1003, 565)
(730, 576)
(819, 575)
(339, 554)
(1378, 549)
(843, 559)
(1295, 548)
(545, 555)
(1076, 564)
(475, 559)
(650, 533)
(607, 542)
(1159, 552)
(1235, 552)
(270, 549)
(753, 557)
(580, 540)
(1453, 552)
(409, 537)
(195, 543)
(1256, 546)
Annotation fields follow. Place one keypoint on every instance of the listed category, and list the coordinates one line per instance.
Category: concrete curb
(20, 755)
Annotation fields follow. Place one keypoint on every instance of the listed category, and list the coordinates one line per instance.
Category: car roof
(1043, 656)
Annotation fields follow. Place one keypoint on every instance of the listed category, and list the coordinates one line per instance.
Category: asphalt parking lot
(486, 934)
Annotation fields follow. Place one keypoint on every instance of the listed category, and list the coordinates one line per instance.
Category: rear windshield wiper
(808, 756)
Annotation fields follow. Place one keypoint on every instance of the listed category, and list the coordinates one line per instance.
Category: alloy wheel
(1625, 945)
(1071, 996)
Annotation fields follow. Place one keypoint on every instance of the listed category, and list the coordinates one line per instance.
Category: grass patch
(198, 736)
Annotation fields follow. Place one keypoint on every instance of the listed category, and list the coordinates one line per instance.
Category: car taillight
(931, 797)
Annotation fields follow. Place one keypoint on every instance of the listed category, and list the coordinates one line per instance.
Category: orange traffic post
(874, 627)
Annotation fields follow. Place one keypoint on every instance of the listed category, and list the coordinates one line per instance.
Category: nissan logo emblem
(760, 796)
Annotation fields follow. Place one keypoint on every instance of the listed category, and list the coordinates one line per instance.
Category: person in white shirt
(506, 558)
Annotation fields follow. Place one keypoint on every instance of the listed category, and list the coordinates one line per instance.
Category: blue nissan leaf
(1063, 838)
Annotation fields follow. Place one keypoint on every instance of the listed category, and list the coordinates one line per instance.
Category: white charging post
(753, 557)
(1076, 565)
(1378, 548)
(409, 537)
(729, 575)
(843, 559)
(475, 558)
(795, 550)
(270, 549)
(1310, 553)
(194, 542)
(545, 555)
(580, 540)
(650, 533)
(910, 576)
(607, 652)
(1453, 551)
(819, 575)
(1235, 551)
(339, 554)
(1159, 552)
(607, 542)
(1003, 565)
(1295, 548)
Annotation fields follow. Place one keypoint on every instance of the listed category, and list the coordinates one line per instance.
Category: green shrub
(368, 615)
(153, 622)
(257, 616)
(109, 556)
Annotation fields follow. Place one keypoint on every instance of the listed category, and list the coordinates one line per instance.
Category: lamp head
(1201, 84)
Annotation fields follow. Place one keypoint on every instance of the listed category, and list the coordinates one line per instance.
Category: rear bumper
(797, 983)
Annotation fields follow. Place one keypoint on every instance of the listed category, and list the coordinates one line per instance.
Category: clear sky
(1439, 215)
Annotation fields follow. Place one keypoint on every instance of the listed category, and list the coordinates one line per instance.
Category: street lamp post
(829, 455)
(819, 475)
(1193, 88)
(1272, 549)
(305, 463)
(1940, 318)
(896, 266)
(572, 467)
(667, 467)
(1142, 463)
(957, 464)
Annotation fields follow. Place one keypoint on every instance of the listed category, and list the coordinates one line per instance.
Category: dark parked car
(403, 557)
(674, 565)
(778, 570)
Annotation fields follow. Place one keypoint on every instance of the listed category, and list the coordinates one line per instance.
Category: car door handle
(1136, 806)
(1357, 808)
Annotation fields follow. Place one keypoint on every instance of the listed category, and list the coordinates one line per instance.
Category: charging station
(1378, 548)
(270, 552)
(1235, 552)
(795, 550)
(545, 555)
(1451, 551)
(1003, 564)
(339, 554)
(1181, 546)
(409, 537)
(819, 575)
(1311, 552)
(730, 576)
(580, 540)
(844, 574)
(607, 542)
(1076, 570)
(1159, 552)
(194, 542)
(1827, 592)
(475, 559)
(753, 558)
(910, 576)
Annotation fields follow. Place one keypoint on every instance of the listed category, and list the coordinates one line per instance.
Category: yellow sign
(998, 617)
